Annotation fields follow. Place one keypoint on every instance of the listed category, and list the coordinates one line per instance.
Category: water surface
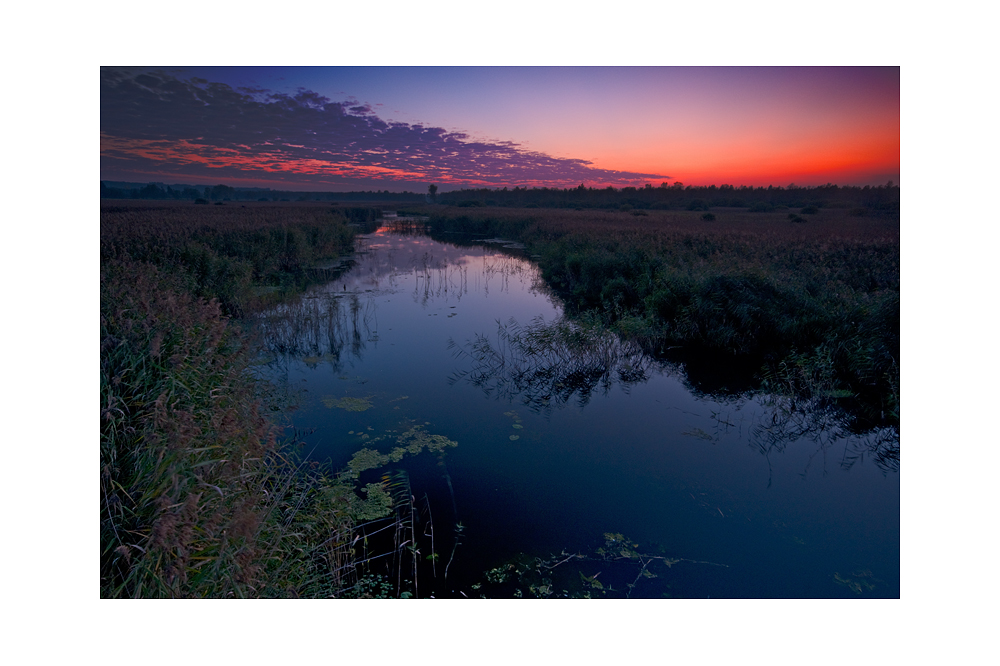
(559, 445)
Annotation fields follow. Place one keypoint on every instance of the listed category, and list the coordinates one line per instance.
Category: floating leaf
(858, 584)
(349, 404)
(514, 437)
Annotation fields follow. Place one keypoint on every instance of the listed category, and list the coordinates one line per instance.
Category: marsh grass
(200, 497)
(814, 308)
(233, 253)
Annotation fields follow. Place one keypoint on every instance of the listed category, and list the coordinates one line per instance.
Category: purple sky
(398, 128)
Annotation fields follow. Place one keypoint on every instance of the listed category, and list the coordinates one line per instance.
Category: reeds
(199, 498)
(543, 364)
(230, 252)
(748, 286)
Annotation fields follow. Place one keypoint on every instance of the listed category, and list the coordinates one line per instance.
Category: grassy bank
(199, 497)
(804, 303)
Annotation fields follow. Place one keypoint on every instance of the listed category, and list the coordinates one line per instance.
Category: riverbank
(803, 303)
(200, 495)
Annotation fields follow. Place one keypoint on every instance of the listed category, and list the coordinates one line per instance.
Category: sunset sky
(401, 128)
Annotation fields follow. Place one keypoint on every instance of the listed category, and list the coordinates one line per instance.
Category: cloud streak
(154, 124)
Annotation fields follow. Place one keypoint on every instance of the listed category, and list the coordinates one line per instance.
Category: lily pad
(349, 404)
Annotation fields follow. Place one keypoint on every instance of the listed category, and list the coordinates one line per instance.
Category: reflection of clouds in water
(336, 321)
(435, 270)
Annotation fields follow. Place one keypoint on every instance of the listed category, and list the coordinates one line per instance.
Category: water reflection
(341, 317)
(542, 364)
(783, 421)
(546, 364)
(550, 363)
(321, 327)
(610, 440)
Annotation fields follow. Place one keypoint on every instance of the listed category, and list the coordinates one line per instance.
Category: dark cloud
(155, 123)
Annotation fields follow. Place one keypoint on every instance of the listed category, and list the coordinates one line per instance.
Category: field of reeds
(798, 302)
(200, 495)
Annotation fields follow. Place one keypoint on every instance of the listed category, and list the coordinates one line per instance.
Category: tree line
(111, 190)
(880, 200)
(677, 196)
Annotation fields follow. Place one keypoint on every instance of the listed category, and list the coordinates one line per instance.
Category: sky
(402, 128)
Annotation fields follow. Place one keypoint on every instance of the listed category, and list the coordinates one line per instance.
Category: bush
(761, 207)
(708, 217)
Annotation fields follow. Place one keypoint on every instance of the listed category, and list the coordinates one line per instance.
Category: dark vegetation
(882, 201)
(224, 193)
(199, 495)
(745, 300)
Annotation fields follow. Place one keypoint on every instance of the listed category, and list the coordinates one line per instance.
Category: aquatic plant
(200, 497)
(618, 568)
(750, 287)
(412, 442)
(348, 403)
(543, 364)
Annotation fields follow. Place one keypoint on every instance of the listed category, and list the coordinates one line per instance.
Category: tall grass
(813, 307)
(199, 497)
(230, 253)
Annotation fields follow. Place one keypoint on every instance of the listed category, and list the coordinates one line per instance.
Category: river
(581, 465)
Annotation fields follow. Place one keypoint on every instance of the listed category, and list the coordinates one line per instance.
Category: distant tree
(220, 192)
(432, 190)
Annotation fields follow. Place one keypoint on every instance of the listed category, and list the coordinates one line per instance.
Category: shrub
(761, 207)
(757, 295)
(708, 217)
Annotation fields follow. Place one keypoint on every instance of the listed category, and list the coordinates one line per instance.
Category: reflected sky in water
(789, 502)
